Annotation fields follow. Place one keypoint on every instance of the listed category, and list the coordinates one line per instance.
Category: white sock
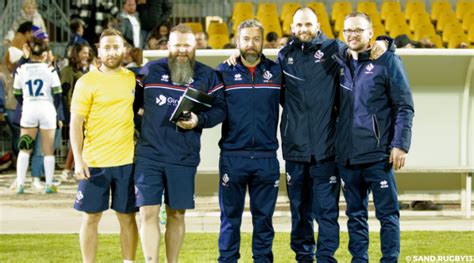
(49, 169)
(21, 167)
(128, 261)
(36, 180)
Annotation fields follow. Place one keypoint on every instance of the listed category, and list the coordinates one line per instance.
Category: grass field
(202, 247)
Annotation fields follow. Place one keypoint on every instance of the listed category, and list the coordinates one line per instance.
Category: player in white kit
(38, 89)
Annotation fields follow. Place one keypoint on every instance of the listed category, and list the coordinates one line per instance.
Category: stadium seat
(445, 19)
(327, 30)
(423, 30)
(414, 6)
(450, 30)
(318, 7)
(388, 8)
(439, 7)
(239, 18)
(394, 19)
(195, 26)
(400, 29)
(218, 41)
(267, 9)
(379, 30)
(470, 34)
(419, 18)
(467, 21)
(339, 23)
(367, 7)
(456, 40)
(242, 8)
(462, 7)
(340, 7)
(376, 20)
(217, 28)
(289, 8)
(286, 25)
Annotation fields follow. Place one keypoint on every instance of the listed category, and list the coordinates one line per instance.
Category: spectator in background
(129, 23)
(93, 13)
(110, 22)
(403, 41)
(157, 44)
(77, 30)
(14, 53)
(153, 13)
(232, 42)
(283, 41)
(28, 13)
(201, 40)
(271, 40)
(79, 64)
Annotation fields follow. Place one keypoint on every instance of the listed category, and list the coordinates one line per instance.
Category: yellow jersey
(105, 99)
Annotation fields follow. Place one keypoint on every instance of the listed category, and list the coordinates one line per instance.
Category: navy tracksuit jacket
(248, 156)
(375, 116)
(160, 139)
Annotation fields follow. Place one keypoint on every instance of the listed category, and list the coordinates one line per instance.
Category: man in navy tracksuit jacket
(373, 130)
(248, 146)
(311, 78)
(167, 154)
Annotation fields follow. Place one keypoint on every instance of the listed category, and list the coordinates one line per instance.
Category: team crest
(237, 77)
(288, 179)
(267, 76)
(290, 61)
(79, 197)
(225, 180)
(165, 78)
(318, 55)
(369, 68)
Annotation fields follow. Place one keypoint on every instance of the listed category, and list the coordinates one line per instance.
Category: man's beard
(181, 72)
(250, 57)
(113, 65)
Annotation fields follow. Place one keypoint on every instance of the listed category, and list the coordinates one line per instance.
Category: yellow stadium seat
(195, 26)
(367, 7)
(340, 7)
(217, 29)
(236, 20)
(414, 6)
(445, 19)
(272, 28)
(422, 30)
(419, 18)
(286, 26)
(389, 8)
(456, 40)
(242, 8)
(376, 20)
(218, 41)
(400, 29)
(327, 30)
(394, 19)
(467, 21)
(450, 30)
(318, 7)
(289, 8)
(339, 23)
(470, 34)
(463, 7)
(435, 39)
(439, 7)
(266, 9)
(379, 30)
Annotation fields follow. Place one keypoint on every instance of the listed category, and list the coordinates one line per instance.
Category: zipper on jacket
(375, 129)
(253, 106)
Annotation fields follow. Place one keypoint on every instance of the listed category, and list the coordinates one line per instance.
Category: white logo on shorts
(79, 196)
(332, 179)
(383, 184)
(288, 179)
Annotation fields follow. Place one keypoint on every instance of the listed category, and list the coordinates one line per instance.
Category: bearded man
(248, 145)
(167, 153)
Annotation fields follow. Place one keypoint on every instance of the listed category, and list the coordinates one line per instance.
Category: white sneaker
(66, 175)
(13, 185)
(37, 186)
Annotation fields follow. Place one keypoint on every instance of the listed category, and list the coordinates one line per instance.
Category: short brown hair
(182, 28)
(111, 32)
(359, 14)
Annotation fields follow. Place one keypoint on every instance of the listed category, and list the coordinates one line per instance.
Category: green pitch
(202, 247)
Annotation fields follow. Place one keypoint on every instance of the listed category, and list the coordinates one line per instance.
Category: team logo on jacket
(267, 76)
(333, 179)
(383, 184)
(79, 197)
(288, 179)
(165, 78)
(225, 180)
(237, 77)
(318, 55)
(161, 100)
(369, 68)
(290, 61)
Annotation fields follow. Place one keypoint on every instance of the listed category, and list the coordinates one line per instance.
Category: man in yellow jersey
(102, 143)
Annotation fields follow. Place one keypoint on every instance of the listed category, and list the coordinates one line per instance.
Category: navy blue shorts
(93, 194)
(152, 178)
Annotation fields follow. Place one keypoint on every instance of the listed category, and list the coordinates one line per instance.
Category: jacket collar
(313, 45)
(240, 65)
